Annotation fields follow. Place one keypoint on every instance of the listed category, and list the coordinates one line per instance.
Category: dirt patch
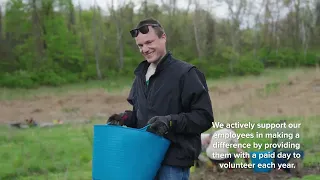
(298, 96)
(69, 107)
(247, 174)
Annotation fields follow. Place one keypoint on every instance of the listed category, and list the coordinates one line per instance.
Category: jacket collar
(143, 66)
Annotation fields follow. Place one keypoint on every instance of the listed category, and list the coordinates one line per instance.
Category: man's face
(151, 46)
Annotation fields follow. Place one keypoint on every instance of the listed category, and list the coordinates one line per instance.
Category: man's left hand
(160, 125)
(117, 119)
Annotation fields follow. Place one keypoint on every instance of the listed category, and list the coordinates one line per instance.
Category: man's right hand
(160, 125)
(117, 119)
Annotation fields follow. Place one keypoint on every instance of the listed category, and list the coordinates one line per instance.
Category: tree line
(54, 42)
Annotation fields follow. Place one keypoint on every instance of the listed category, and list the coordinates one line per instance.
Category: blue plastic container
(123, 153)
(265, 160)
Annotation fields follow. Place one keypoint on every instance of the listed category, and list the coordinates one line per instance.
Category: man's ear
(164, 37)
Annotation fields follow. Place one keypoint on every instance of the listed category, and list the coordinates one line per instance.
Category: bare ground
(248, 174)
(75, 106)
(299, 95)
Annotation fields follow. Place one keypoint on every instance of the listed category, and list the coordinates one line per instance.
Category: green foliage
(287, 57)
(18, 79)
(248, 66)
(53, 43)
(218, 71)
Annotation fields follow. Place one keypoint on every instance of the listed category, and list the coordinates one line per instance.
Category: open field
(275, 93)
(64, 152)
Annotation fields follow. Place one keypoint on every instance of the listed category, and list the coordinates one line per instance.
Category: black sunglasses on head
(144, 29)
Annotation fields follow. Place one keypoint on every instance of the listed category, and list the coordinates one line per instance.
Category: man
(217, 150)
(170, 95)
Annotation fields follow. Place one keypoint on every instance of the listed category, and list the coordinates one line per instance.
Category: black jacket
(178, 89)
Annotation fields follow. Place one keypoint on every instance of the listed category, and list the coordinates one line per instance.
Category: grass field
(65, 151)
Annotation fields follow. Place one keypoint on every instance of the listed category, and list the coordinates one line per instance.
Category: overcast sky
(220, 10)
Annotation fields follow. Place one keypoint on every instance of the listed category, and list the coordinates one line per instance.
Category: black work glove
(117, 119)
(160, 125)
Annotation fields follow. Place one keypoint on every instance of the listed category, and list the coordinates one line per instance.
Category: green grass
(110, 85)
(65, 152)
(269, 75)
(46, 153)
(120, 83)
(308, 177)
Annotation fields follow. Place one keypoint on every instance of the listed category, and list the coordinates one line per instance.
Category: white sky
(219, 9)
